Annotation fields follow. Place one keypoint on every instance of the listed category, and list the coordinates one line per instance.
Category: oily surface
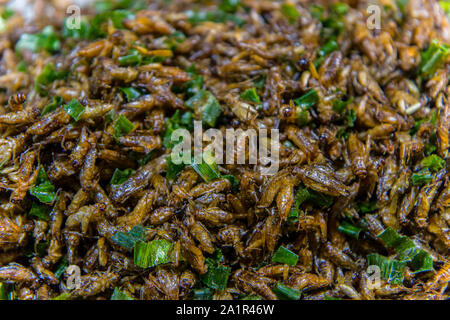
(87, 183)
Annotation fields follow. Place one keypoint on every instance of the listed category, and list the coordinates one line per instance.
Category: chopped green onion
(174, 39)
(173, 169)
(391, 270)
(327, 297)
(206, 106)
(47, 39)
(433, 162)
(61, 268)
(46, 77)
(119, 295)
(285, 256)
(286, 293)
(122, 126)
(76, 33)
(44, 190)
(120, 176)
(207, 169)
(128, 240)
(218, 16)
(407, 251)
(131, 93)
(22, 66)
(340, 106)
(40, 211)
(304, 194)
(74, 109)
(57, 102)
(293, 216)
(349, 229)
(307, 100)
(203, 294)
(230, 5)
(153, 253)
(366, 207)
(63, 296)
(217, 275)
(116, 16)
(234, 181)
(251, 95)
(421, 177)
(6, 291)
(41, 248)
(290, 12)
(433, 58)
(133, 58)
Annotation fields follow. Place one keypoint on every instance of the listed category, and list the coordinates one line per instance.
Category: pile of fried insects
(93, 207)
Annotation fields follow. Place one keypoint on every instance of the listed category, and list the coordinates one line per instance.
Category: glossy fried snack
(92, 205)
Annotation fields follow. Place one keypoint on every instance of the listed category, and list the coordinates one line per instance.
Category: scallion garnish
(285, 256)
(153, 253)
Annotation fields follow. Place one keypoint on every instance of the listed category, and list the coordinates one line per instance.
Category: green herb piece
(217, 275)
(203, 294)
(175, 122)
(61, 268)
(218, 16)
(131, 93)
(40, 211)
(251, 95)
(418, 259)
(340, 106)
(234, 181)
(286, 293)
(173, 169)
(129, 239)
(6, 291)
(421, 177)
(174, 39)
(120, 176)
(81, 32)
(293, 216)
(304, 194)
(445, 5)
(122, 126)
(290, 12)
(366, 207)
(285, 256)
(230, 5)
(96, 29)
(120, 295)
(52, 106)
(153, 253)
(63, 296)
(391, 270)
(74, 109)
(207, 169)
(41, 248)
(433, 58)
(133, 58)
(430, 148)
(206, 106)
(22, 66)
(47, 39)
(44, 190)
(350, 229)
(327, 297)
(307, 100)
(433, 163)
(46, 77)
